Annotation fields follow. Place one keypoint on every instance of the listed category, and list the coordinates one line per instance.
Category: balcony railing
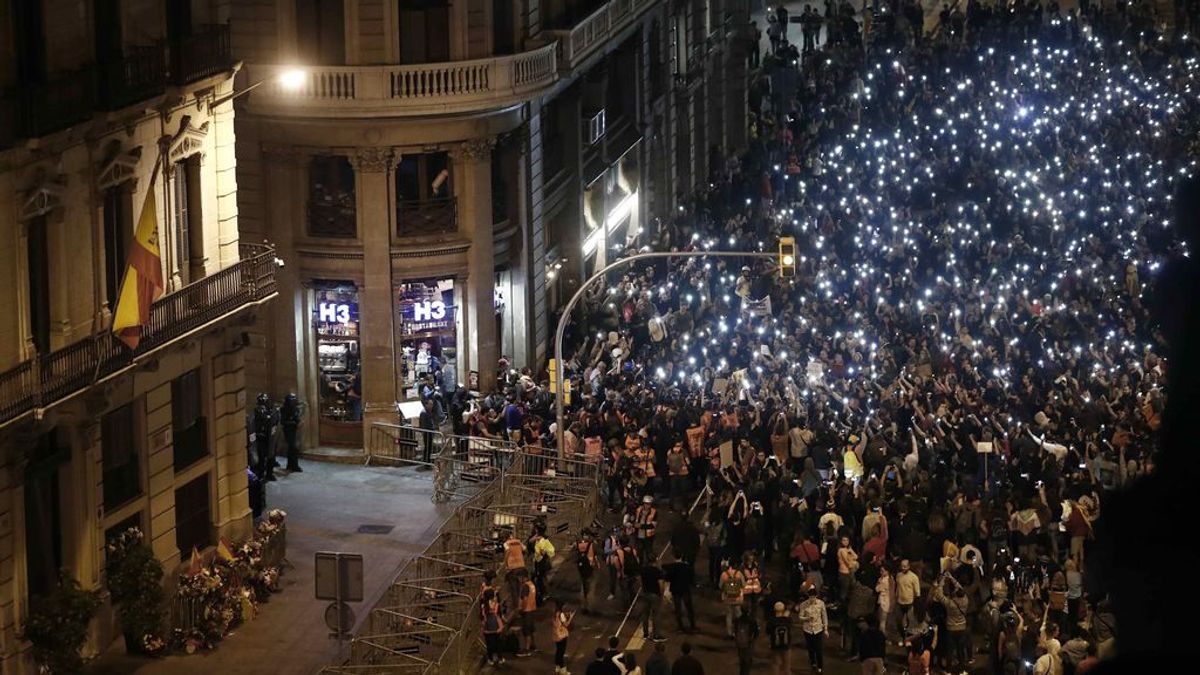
(138, 75)
(396, 90)
(41, 382)
(587, 36)
(418, 217)
(201, 54)
(332, 218)
(39, 109)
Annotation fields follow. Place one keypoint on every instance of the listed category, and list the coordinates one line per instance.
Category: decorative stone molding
(518, 137)
(45, 197)
(121, 168)
(474, 150)
(189, 141)
(330, 254)
(431, 250)
(287, 155)
(373, 159)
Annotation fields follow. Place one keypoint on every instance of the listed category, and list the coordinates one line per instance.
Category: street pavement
(326, 505)
(710, 644)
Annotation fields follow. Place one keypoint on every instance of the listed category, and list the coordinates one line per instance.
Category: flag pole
(124, 276)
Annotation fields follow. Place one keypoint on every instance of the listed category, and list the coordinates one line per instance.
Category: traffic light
(787, 257)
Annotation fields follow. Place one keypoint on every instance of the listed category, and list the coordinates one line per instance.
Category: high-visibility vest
(529, 600)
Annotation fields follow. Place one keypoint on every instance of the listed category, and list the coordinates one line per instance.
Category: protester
(959, 368)
(814, 621)
(562, 630)
(686, 664)
(779, 633)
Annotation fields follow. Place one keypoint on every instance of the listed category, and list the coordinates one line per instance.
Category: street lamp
(566, 315)
(289, 79)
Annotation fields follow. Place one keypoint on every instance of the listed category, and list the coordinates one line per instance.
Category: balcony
(39, 109)
(137, 75)
(588, 36)
(201, 54)
(333, 218)
(42, 382)
(397, 91)
(425, 217)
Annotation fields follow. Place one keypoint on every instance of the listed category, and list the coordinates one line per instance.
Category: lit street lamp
(289, 79)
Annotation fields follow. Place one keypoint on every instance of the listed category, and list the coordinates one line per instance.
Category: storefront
(426, 335)
(336, 324)
(610, 212)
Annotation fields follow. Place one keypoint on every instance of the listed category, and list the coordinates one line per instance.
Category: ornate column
(519, 306)
(376, 302)
(473, 187)
(286, 173)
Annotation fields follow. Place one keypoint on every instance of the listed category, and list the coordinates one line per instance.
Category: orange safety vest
(514, 554)
(529, 601)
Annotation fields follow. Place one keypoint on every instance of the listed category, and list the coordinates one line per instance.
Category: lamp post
(289, 79)
(566, 315)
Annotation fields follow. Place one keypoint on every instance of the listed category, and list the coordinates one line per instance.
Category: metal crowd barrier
(427, 622)
(463, 465)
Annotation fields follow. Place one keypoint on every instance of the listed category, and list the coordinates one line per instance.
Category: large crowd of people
(911, 436)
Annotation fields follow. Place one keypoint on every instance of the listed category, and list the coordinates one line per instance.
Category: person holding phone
(562, 630)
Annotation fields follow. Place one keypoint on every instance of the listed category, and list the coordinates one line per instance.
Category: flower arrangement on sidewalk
(57, 625)
(134, 577)
(215, 598)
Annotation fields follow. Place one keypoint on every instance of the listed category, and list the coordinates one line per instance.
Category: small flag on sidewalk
(197, 564)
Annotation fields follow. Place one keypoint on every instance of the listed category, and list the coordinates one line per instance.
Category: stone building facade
(448, 173)
(102, 103)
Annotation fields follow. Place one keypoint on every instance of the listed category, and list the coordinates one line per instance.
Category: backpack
(781, 636)
(732, 585)
(999, 529)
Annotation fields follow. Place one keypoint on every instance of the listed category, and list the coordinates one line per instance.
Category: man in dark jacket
(686, 664)
(680, 581)
(602, 665)
(872, 646)
(859, 606)
(685, 540)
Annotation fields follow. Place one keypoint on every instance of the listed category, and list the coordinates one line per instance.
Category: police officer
(264, 427)
(289, 418)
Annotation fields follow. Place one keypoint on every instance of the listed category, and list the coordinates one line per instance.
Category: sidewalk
(326, 505)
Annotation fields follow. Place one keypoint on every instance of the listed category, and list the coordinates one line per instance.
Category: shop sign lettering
(429, 311)
(331, 312)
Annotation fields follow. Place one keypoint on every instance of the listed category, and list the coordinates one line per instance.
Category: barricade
(428, 620)
(462, 465)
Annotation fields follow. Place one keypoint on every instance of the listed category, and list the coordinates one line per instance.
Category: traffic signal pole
(563, 319)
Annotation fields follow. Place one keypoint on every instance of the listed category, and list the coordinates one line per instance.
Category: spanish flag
(143, 282)
(223, 551)
(197, 563)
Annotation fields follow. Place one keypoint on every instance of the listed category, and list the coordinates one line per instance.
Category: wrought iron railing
(201, 54)
(68, 98)
(137, 75)
(417, 217)
(333, 218)
(42, 381)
